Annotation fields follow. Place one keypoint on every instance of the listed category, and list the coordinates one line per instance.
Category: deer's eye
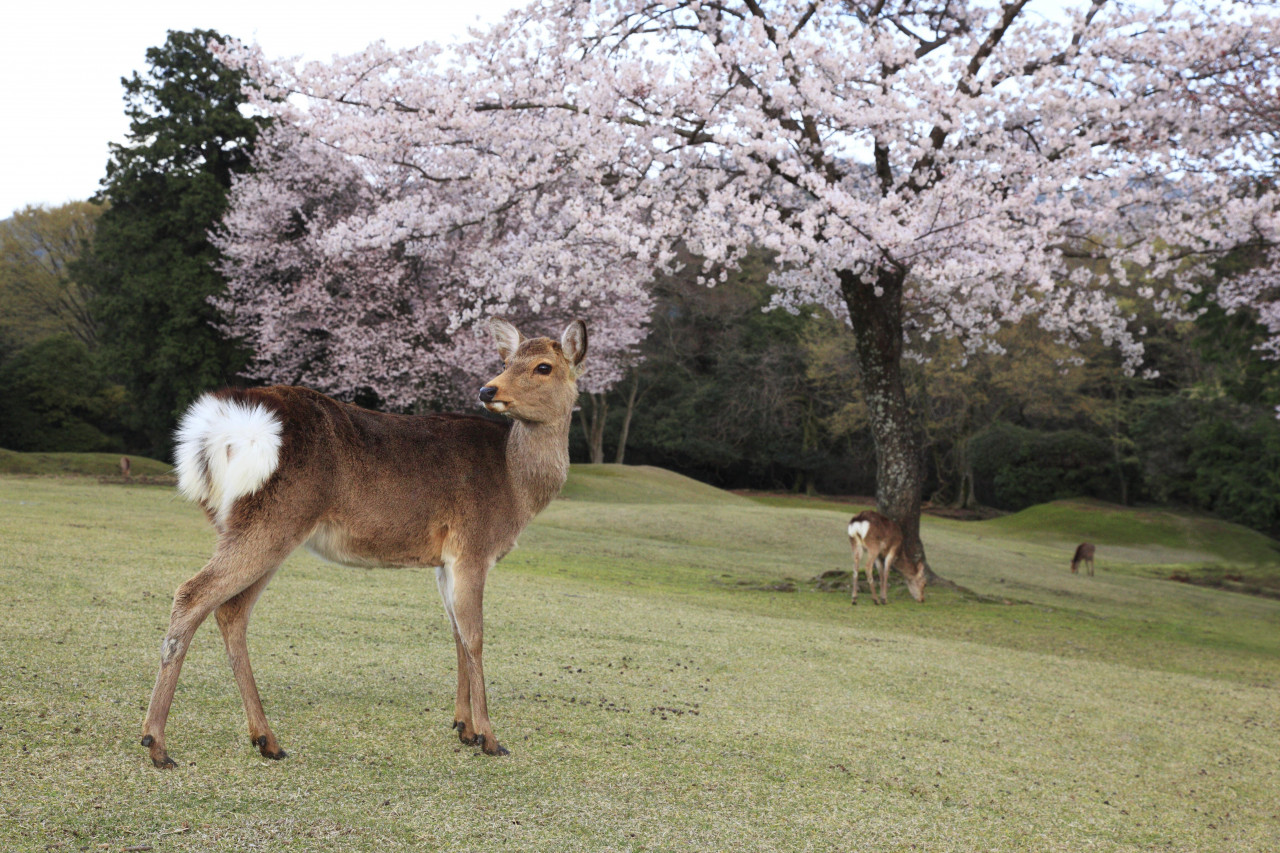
(543, 368)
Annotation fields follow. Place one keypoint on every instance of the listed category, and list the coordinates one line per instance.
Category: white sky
(61, 64)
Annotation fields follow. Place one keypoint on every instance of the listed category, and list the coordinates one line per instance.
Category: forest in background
(106, 334)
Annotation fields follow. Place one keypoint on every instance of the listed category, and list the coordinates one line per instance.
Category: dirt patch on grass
(140, 480)
(1229, 580)
(784, 585)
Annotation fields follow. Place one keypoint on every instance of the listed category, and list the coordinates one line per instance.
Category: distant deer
(881, 539)
(278, 467)
(124, 466)
(1084, 554)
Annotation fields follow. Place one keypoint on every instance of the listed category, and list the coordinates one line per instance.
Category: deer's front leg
(873, 558)
(462, 721)
(885, 564)
(468, 606)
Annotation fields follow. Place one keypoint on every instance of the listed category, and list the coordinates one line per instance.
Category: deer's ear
(573, 342)
(506, 336)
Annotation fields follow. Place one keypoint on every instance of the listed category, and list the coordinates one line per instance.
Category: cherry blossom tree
(916, 167)
(330, 299)
(1242, 93)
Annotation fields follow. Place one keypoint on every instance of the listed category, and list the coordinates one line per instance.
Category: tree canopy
(327, 297)
(918, 168)
(151, 266)
(38, 296)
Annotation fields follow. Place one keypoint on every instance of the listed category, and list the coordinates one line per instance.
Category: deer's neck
(537, 462)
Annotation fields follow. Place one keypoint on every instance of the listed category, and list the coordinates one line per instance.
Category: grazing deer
(1084, 554)
(124, 467)
(881, 539)
(278, 467)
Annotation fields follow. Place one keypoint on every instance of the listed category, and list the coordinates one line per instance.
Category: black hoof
(261, 743)
(166, 764)
(501, 750)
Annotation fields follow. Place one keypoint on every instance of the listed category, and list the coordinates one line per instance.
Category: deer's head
(539, 384)
(915, 575)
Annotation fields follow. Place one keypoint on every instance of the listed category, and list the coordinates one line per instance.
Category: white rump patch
(226, 450)
(859, 529)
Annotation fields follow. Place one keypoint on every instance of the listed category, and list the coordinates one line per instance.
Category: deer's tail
(226, 449)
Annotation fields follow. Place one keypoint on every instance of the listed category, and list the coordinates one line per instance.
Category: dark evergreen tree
(151, 265)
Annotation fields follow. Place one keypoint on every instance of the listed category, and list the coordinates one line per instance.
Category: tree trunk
(965, 498)
(593, 425)
(877, 328)
(626, 420)
(1117, 437)
(1119, 461)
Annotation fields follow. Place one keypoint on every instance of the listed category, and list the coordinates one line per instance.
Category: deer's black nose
(487, 393)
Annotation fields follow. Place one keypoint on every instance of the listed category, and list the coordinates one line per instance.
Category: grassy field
(654, 693)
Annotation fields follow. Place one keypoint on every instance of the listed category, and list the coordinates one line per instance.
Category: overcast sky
(61, 64)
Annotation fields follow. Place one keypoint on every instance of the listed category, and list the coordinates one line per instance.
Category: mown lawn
(654, 694)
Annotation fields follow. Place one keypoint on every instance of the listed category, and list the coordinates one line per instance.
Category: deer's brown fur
(880, 538)
(367, 488)
(1084, 554)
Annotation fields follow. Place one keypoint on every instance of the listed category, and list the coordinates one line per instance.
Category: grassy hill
(87, 464)
(655, 694)
(641, 484)
(1150, 542)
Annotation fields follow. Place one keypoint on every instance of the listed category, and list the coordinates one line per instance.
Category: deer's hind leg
(240, 561)
(858, 551)
(233, 621)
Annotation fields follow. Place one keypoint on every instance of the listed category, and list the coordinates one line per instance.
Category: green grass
(641, 484)
(1113, 525)
(93, 464)
(651, 697)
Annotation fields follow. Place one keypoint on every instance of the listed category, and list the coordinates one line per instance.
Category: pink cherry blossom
(918, 167)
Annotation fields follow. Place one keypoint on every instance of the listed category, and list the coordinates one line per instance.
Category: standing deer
(880, 538)
(1084, 554)
(278, 467)
(125, 467)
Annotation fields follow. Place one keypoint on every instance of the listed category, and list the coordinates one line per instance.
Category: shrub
(54, 397)
(1015, 468)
